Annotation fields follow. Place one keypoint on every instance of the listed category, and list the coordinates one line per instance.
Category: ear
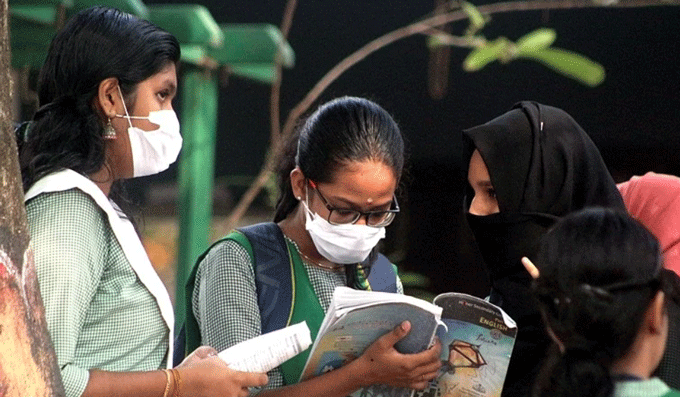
(297, 182)
(108, 97)
(656, 314)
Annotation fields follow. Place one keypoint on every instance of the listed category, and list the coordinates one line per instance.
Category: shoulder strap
(271, 262)
(271, 265)
(267, 249)
(382, 276)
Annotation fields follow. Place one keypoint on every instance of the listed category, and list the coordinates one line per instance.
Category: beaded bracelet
(167, 382)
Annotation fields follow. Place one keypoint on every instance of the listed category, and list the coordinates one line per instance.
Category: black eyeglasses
(345, 216)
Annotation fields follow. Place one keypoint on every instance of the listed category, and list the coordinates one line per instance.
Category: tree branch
(419, 27)
(275, 136)
(275, 98)
(438, 20)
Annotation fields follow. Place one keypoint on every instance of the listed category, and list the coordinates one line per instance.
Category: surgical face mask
(153, 151)
(342, 244)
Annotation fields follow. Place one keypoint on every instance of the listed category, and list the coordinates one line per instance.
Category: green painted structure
(246, 50)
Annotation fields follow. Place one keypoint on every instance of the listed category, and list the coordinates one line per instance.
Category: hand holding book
(386, 338)
(384, 365)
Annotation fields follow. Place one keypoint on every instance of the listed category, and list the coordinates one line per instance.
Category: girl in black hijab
(527, 169)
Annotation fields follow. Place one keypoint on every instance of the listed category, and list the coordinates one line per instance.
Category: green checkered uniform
(224, 300)
(653, 387)
(98, 312)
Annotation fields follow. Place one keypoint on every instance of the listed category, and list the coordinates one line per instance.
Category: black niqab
(542, 166)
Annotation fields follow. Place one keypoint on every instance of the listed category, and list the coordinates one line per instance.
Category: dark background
(632, 116)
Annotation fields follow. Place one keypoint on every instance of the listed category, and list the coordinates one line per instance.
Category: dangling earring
(109, 132)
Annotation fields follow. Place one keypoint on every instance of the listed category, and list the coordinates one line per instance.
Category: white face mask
(153, 151)
(342, 244)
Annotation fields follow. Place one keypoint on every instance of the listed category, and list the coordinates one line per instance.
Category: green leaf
(537, 40)
(570, 64)
(482, 56)
(477, 20)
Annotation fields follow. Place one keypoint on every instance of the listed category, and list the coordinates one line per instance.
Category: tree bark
(28, 365)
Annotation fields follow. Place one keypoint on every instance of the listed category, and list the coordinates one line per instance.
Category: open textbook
(355, 319)
(477, 339)
(268, 351)
(476, 348)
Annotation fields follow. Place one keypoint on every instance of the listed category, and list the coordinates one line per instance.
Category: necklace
(311, 261)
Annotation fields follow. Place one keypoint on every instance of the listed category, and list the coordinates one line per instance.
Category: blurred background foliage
(558, 57)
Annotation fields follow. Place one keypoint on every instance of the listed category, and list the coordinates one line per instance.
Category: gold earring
(109, 132)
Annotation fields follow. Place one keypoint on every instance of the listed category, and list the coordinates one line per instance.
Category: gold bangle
(167, 382)
(177, 392)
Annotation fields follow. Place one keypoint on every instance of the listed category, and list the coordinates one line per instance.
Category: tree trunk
(28, 365)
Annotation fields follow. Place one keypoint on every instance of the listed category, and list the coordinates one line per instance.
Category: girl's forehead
(365, 181)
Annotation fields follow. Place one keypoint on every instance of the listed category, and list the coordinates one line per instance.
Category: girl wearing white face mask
(153, 151)
(106, 92)
(337, 195)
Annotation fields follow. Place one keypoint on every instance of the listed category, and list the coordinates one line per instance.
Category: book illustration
(356, 319)
(464, 355)
(476, 348)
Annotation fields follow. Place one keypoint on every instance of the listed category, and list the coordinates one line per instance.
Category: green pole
(196, 172)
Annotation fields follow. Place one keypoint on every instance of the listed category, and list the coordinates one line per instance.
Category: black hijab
(541, 161)
(542, 166)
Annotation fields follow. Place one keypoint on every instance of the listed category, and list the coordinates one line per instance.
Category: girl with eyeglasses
(337, 196)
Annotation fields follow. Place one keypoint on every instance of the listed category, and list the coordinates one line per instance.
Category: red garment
(654, 200)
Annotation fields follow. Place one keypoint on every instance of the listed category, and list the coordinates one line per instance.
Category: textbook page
(476, 348)
(268, 351)
(356, 319)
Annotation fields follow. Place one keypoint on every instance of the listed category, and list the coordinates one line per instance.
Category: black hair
(600, 270)
(343, 130)
(95, 44)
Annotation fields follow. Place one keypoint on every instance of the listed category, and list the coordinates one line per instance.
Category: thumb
(197, 355)
(398, 333)
(205, 352)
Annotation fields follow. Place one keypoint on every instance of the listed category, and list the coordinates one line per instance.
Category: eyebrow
(170, 85)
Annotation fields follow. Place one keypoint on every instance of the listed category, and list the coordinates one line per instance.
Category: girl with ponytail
(602, 292)
(337, 195)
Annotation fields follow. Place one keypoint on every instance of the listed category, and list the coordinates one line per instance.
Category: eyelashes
(163, 95)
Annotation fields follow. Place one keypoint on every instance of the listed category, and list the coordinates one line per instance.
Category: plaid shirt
(98, 312)
(225, 299)
(653, 387)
